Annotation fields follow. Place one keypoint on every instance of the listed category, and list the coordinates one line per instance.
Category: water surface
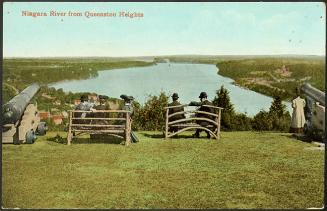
(188, 80)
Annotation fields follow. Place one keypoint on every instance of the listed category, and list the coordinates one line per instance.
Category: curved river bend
(188, 80)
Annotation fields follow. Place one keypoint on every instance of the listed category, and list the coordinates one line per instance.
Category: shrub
(262, 121)
(230, 120)
(152, 115)
(277, 119)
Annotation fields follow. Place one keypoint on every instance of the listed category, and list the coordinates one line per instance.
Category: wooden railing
(119, 126)
(185, 124)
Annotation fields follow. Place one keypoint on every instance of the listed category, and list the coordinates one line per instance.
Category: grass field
(242, 170)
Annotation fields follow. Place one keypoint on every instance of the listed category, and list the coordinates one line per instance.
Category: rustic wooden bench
(119, 125)
(189, 123)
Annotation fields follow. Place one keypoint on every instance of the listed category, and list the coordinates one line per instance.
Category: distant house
(44, 115)
(57, 119)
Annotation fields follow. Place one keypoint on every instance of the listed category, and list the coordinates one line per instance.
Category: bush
(230, 121)
(262, 121)
(277, 119)
(152, 115)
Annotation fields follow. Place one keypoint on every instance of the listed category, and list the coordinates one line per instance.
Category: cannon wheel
(30, 137)
(41, 129)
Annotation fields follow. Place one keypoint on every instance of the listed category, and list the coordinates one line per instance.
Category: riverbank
(275, 76)
(21, 72)
(268, 75)
(242, 170)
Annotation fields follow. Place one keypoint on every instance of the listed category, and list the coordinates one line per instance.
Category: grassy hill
(242, 170)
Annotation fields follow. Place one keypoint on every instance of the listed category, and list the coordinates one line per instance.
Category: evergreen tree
(227, 116)
(277, 107)
(222, 100)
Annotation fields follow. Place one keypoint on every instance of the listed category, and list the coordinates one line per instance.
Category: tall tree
(222, 100)
(277, 107)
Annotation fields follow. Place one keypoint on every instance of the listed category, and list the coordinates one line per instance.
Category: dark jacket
(175, 110)
(203, 108)
(101, 107)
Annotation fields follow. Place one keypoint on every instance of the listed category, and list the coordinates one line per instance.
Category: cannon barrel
(314, 93)
(14, 109)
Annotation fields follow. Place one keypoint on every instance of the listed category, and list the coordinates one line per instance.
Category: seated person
(103, 105)
(84, 105)
(175, 110)
(204, 101)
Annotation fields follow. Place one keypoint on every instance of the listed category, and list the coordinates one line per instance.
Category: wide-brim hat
(126, 98)
(175, 96)
(203, 95)
(103, 97)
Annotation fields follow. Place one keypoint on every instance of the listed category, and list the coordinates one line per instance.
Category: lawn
(242, 170)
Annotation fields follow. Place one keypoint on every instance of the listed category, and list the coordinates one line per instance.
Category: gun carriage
(314, 112)
(20, 118)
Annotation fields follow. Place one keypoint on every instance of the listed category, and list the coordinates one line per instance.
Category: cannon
(314, 112)
(21, 121)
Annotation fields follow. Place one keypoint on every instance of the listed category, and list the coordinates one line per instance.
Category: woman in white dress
(298, 118)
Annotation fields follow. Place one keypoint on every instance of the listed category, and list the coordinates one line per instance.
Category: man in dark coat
(175, 110)
(204, 101)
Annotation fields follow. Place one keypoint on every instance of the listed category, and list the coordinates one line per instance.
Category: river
(188, 80)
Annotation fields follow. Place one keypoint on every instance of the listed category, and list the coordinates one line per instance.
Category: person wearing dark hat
(203, 101)
(128, 106)
(175, 110)
(102, 103)
(84, 105)
(102, 106)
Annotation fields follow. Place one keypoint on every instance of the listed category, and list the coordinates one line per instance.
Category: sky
(165, 29)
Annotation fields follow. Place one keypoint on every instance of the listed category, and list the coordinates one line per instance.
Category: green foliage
(277, 107)
(8, 92)
(222, 100)
(303, 69)
(277, 119)
(22, 72)
(230, 121)
(262, 121)
(152, 115)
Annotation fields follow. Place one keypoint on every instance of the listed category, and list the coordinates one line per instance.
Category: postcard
(211, 105)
